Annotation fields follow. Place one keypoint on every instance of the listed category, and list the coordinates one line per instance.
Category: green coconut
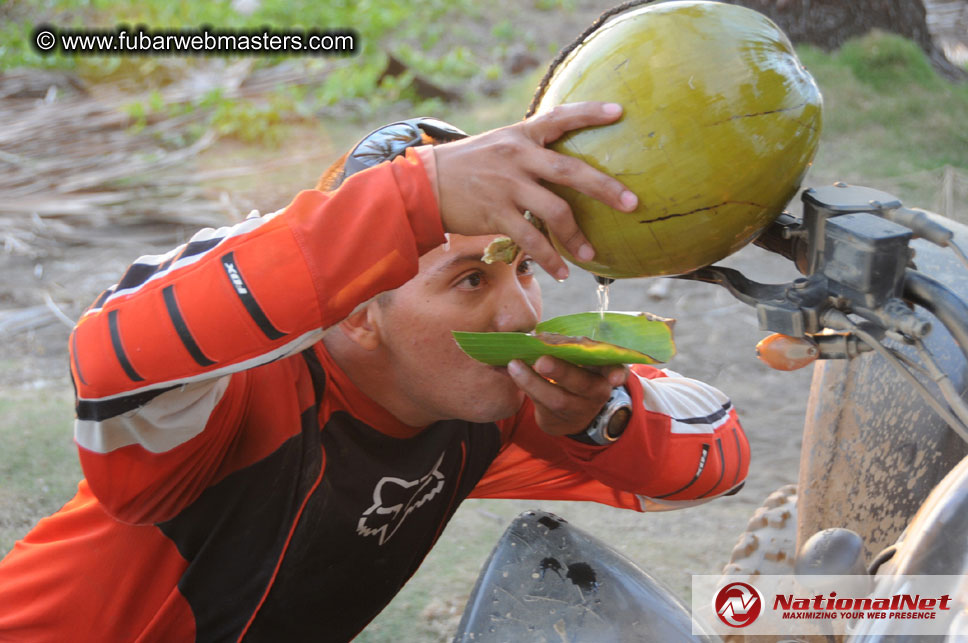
(721, 122)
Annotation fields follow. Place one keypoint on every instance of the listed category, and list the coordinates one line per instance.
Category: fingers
(557, 410)
(589, 381)
(558, 218)
(550, 126)
(571, 172)
(555, 211)
(534, 243)
(574, 397)
(565, 170)
(486, 182)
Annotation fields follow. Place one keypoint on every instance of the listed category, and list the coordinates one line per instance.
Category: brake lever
(792, 308)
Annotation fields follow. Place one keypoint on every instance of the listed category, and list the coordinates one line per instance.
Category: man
(249, 477)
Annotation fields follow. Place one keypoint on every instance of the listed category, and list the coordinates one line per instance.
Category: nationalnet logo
(830, 605)
(738, 604)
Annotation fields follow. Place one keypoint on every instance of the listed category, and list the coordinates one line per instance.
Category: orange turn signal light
(785, 353)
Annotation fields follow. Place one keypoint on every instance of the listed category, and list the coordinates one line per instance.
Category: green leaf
(586, 339)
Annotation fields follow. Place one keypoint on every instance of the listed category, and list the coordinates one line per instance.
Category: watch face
(617, 423)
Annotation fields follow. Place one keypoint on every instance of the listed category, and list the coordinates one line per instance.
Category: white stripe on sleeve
(693, 406)
(172, 418)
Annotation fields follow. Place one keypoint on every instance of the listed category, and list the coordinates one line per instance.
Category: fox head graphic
(394, 499)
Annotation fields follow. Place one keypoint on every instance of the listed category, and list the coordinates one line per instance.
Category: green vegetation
(888, 115)
(379, 23)
(421, 39)
(39, 468)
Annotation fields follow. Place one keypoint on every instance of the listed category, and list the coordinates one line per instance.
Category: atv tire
(769, 544)
(768, 547)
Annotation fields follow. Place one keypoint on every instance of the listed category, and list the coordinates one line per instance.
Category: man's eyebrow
(466, 257)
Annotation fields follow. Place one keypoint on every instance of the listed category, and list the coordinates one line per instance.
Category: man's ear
(362, 328)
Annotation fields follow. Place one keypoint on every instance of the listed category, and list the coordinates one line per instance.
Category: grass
(39, 468)
(889, 118)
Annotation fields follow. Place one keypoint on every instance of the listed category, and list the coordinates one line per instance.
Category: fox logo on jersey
(236, 278)
(394, 499)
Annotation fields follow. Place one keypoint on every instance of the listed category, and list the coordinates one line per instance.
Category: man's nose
(516, 310)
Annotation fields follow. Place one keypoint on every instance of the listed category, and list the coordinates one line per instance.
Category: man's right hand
(486, 182)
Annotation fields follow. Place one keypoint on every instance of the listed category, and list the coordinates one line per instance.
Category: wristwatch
(610, 423)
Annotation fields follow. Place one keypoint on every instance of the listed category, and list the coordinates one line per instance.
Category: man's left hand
(566, 397)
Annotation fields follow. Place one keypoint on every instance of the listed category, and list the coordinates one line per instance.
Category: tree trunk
(829, 23)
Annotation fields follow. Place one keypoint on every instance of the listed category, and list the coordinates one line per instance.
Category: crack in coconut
(708, 207)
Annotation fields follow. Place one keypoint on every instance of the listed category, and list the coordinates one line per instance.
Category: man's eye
(473, 280)
(526, 267)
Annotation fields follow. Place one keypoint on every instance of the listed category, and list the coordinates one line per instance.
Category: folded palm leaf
(586, 339)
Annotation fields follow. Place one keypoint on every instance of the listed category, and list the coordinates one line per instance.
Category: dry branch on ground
(74, 164)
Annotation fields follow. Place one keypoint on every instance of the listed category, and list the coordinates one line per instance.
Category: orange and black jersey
(239, 486)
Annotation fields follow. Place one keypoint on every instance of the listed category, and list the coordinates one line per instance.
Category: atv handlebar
(853, 248)
(934, 297)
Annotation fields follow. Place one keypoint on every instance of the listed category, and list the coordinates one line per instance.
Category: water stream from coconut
(602, 299)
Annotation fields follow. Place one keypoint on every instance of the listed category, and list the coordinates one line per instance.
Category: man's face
(455, 290)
